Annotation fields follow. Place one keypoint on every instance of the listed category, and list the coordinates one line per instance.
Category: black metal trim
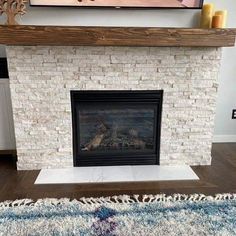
(3, 68)
(233, 114)
(117, 97)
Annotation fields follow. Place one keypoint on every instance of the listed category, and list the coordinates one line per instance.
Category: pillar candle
(206, 15)
(224, 17)
(217, 21)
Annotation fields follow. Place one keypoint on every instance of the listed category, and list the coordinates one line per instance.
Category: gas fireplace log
(139, 143)
(115, 138)
(96, 141)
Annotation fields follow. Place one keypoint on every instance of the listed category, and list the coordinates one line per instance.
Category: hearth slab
(108, 174)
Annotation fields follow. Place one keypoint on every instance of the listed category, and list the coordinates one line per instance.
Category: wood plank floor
(218, 178)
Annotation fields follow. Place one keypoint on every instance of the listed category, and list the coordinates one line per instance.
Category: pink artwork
(121, 3)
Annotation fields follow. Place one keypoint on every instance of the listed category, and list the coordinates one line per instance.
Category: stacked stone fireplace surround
(41, 78)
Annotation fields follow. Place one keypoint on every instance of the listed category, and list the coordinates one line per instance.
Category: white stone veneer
(41, 78)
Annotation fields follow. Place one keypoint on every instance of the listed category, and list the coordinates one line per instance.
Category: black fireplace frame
(113, 97)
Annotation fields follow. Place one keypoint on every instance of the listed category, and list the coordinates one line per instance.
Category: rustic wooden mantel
(116, 36)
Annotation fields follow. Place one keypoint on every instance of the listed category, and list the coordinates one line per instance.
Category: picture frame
(138, 4)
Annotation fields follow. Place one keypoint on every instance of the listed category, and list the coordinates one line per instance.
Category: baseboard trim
(224, 139)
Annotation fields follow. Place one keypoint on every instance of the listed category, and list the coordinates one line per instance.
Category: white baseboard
(224, 139)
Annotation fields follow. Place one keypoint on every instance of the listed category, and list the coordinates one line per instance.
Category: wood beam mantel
(116, 36)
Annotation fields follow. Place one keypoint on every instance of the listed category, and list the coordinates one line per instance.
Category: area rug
(121, 216)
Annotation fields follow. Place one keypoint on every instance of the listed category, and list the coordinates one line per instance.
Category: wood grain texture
(116, 36)
(218, 178)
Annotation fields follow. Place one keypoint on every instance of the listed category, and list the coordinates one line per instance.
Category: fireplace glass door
(119, 128)
(115, 129)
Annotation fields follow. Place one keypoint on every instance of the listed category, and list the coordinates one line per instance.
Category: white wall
(2, 51)
(7, 137)
(224, 125)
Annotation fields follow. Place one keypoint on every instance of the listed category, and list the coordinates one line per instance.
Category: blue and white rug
(121, 216)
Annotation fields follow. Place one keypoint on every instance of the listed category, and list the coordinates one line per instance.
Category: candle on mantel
(224, 14)
(206, 15)
(217, 21)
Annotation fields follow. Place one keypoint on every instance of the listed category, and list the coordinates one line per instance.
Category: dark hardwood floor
(218, 178)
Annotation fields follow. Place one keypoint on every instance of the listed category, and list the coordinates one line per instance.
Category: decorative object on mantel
(221, 20)
(195, 214)
(12, 8)
(217, 21)
(211, 19)
(206, 15)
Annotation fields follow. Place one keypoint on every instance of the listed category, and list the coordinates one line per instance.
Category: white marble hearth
(108, 174)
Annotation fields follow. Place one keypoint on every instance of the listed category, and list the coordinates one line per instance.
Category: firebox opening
(116, 127)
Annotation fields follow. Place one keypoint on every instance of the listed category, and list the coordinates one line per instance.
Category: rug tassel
(122, 199)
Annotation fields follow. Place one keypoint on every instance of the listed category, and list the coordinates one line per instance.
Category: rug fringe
(126, 199)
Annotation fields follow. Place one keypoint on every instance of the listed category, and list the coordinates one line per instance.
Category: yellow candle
(217, 21)
(224, 14)
(208, 9)
(206, 15)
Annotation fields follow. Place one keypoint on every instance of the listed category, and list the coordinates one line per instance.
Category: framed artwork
(176, 4)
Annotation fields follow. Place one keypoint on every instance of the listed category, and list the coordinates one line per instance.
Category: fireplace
(42, 108)
(116, 127)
